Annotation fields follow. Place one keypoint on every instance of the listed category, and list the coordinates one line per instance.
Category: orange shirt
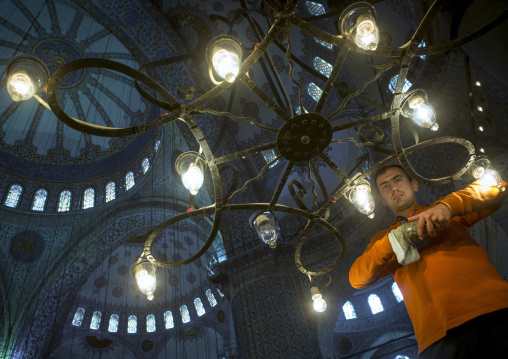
(453, 281)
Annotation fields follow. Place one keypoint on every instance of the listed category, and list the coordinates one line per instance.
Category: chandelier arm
(309, 172)
(243, 153)
(234, 184)
(365, 144)
(445, 139)
(234, 117)
(224, 124)
(447, 46)
(263, 96)
(93, 129)
(381, 116)
(302, 193)
(339, 61)
(319, 180)
(425, 23)
(302, 240)
(334, 167)
(280, 186)
(154, 100)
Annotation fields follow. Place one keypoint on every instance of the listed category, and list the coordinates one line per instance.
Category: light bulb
(491, 178)
(478, 172)
(226, 64)
(367, 35)
(264, 224)
(478, 83)
(480, 128)
(422, 114)
(146, 283)
(363, 200)
(319, 303)
(193, 179)
(20, 87)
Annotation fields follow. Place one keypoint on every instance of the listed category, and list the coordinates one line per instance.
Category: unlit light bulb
(226, 64)
(146, 283)
(367, 35)
(193, 179)
(21, 87)
(266, 229)
(363, 200)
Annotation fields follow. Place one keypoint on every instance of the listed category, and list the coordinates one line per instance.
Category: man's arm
(374, 264)
(473, 203)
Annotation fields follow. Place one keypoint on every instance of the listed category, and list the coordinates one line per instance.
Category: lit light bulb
(480, 128)
(362, 199)
(264, 224)
(423, 114)
(479, 108)
(319, 303)
(478, 83)
(193, 179)
(491, 178)
(20, 87)
(367, 35)
(482, 150)
(144, 273)
(226, 64)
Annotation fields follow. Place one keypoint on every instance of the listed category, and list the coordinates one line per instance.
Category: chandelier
(303, 137)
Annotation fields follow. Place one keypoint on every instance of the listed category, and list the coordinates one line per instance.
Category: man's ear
(415, 185)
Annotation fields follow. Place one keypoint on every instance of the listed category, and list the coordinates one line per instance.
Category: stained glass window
(325, 44)
(13, 196)
(199, 306)
(110, 191)
(211, 298)
(322, 66)
(113, 323)
(146, 165)
(349, 310)
(298, 110)
(269, 156)
(88, 198)
(132, 324)
(375, 304)
(150, 323)
(314, 91)
(220, 293)
(168, 319)
(315, 8)
(64, 203)
(129, 181)
(422, 44)
(396, 292)
(78, 316)
(96, 320)
(393, 84)
(157, 145)
(40, 200)
(184, 312)
(401, 357)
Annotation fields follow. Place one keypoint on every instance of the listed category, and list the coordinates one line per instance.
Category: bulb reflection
(226, 64)
(367, 35)
(193, 179)
(20, 87)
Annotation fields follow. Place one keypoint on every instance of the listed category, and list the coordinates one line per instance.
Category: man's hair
(385, 168)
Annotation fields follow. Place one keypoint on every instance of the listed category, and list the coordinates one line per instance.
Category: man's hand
(435, 219)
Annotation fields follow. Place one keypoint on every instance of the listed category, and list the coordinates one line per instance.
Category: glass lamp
(319, 303)
(264, 224)
(360, 195)
(224, 55)
(191, 166)
(482, 169)
(358, 23)
(26, 76)
(144, 272)
(415, 105)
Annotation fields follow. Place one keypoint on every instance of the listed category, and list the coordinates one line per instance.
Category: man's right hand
(435, 218)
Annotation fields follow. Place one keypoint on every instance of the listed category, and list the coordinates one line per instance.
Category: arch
(88, 198)
(145, 164)
(199, 306)
(150, 323)
(64, 201)
(13, 195)
(113, 323)
(168, 319)
(211, 298)
(96, 320)
(110, 191)
(375, 304)
(349, 310)
(184, 312)
(397, 293)
(39, 200)
(132, 324)
(78, 316)
(129, 180)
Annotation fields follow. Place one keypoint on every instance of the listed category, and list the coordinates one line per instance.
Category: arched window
(269, 156)
(113, 323)
(322, 66)
(422, 44)
(168, 319)
(316, 8)
(393, 84)
(401, 357)
(199, 306)
(64, 203)
(96, 320)
(110, 191)
(88, 198)
(211, 298)
(150, 323)
(13, 196)
(129, 181)
(375, 304)
(396, 292)
(132, 324)
(325, 44)
(220, 293)
(298, 110)
(78, 316)
(349, 310)
(146, 165)
(40, 200)
(184, 312)
(157, 145)
(314, 91)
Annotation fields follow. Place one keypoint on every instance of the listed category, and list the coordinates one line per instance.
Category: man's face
(396, 190)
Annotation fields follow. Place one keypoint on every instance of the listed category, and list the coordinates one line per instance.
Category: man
(456, 300)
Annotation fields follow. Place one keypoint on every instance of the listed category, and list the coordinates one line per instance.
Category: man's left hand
(435, 218)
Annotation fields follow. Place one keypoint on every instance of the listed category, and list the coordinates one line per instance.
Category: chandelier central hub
(304, 137)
